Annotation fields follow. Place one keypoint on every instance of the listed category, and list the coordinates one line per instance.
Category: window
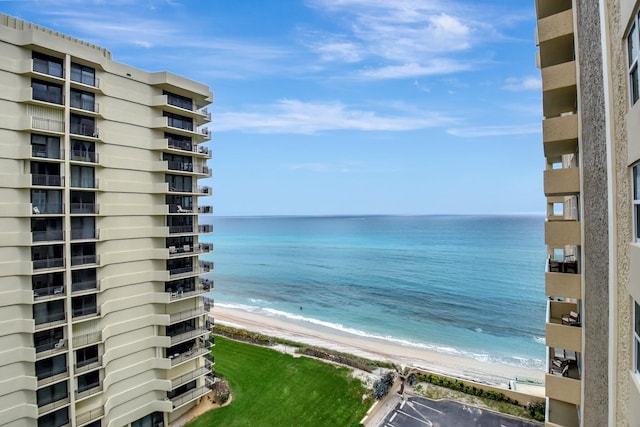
(155, 419)
(46, 64)
(83, 100)
(81, 125)
(47, 147)
(46, 201)
(83, 253)
(47, 92)
(636, 201)
(55, 419)
(83, 202)
(178, 121)
(82, 176)
(633, 47)
(83, 151)
(47, 339)
(84, 305)
(83, 280)
(86, 356)
(48, 312)
(178, 100)
(83, 227)
(636, 337)
(51, 366)
(53, 393)
(88, 381)
(179, 183)
(83, 74)
(179, 142)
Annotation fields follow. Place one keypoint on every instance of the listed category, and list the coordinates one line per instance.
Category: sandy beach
(460, 367)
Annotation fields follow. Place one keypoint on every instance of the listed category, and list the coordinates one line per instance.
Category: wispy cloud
(435, 67)
(492, 131)
(525, 83)
(296, 117)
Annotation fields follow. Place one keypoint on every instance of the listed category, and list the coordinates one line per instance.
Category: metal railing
(187, 355)
(198, 290)
(186, 314)
(48, 208)
(183, 379)
(84, 259)
(205, 209)
(78, 234)
(87, 285)
(47, 124)
(84, 156)
(47, 180)
(85, 311)
(84, 129)
(48, 263)
(90, 390)
(87, 339)
(84, 208)
(189, 396)
(47, 236)
(47, 291)
(48, 319)
(43, 152)
(178, 229)
(89, 416)
(180, 166)
(51, 347)
(176, 339)
(205, 228)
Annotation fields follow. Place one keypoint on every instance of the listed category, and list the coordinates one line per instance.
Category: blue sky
(344, 106)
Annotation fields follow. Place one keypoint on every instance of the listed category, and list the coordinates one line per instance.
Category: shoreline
(494, 374)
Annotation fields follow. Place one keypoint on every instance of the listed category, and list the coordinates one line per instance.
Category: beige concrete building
(588, 56)
(101, 321)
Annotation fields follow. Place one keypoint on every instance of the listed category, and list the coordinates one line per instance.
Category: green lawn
(274, 389)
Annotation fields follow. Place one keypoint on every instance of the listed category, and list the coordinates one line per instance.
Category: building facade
(101, 317)
(588, 56)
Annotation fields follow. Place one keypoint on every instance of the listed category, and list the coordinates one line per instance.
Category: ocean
(472, 286)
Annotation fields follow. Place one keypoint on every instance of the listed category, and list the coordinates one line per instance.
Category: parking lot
(420, 412)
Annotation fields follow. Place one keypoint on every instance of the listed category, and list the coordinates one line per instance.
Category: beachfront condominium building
(589, 60)
(101, 322)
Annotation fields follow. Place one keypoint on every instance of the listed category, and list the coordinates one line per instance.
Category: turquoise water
(465, 285)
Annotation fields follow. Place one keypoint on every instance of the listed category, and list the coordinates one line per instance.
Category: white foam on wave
(483, 357)
(540, 340)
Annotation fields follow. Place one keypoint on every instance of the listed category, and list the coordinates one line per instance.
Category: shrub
(382, 386)
(537, 410)
(221, 391)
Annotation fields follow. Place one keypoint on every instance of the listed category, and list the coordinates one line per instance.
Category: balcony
(181, 272)
(89, 390)
(89, 416)
(203, 248)
(49, 291)
(206, 284)
(84, 156)
(561, 182)
(186, 315)
(48, 125)
(84, 260)
(87, 339)
(561, 414)
(49, 320)
(205, 266)
(51, 375)
(86, 286)
(180, 166)
(83, 129)
(203, 170)
(85, 312)
(49, 349)
(47, 208)
(45, 263)
(555, 26)
(181, 229)
(181, 250)
(47, 180)
(60, 401)
(560, 135)
(563, 389)
(188, 377)
(204, 190)
(562, 233)
(47, 236)
(186, 336)
(44, 151)
(88, 364)
(205, 209)
(85, 208)
(83, 234)
(561, 284)
(179, 358)
(205, 228)
(87, 106)
(189, 396)
(182, 293)
(563, 327)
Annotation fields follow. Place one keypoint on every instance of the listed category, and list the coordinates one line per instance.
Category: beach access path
(371, 348)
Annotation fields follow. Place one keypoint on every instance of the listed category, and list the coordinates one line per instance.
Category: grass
(274, 389)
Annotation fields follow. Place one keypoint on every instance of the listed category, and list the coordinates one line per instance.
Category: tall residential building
(101, 322)
(589, 59)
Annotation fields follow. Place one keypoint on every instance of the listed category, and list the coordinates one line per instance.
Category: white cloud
(525, 83)
(490, 131)
(296, 117)
(438, 66)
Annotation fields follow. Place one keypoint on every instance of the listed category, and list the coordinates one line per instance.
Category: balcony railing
(61, 400)
(47, 236)
(78, 234)
(47, 208)
(205, 266)
(204, 190)
(205, 209)
(189, 396)
(47, 124)
(176, 359)
(39, 264)
(88, 285)
(89, 390)
(85, 105)
(205, 170)
(88, 416)
(84, 156)
(47, 180)
(180, 229)
(183, 379)
(51, 375)
(52, 347)
(48, 291)
(87, 339)
(566, 266)
(43, 152)
(84, 259)
(84, 208)
(176, 339)
(206, 284)
(202, 248)
(180, 166)
(187, 293)
(187, 314)
(88, 364)
(205, 228)
(43, 320)
(86, 311)
(84, 130)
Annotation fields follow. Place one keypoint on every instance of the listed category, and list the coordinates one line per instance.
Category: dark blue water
(465, 285)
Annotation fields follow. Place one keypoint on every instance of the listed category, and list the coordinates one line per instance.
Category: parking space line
(425, 421)
(428, 407)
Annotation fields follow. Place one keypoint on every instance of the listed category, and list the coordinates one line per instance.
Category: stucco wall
(595, 215)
